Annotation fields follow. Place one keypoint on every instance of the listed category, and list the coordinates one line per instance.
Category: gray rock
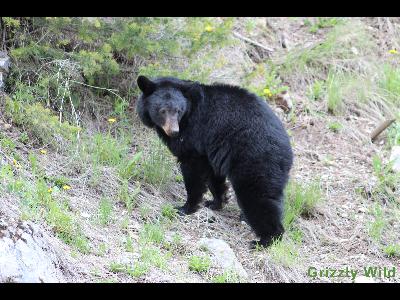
(26, 255)
(224, 255)
(395, 158)
(5, 62)
(4, 68)
(1, 81)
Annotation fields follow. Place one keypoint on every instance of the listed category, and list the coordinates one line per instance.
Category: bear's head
(164, 102)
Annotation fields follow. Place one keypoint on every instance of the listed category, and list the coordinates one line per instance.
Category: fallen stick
(239, 36)
(381, 128)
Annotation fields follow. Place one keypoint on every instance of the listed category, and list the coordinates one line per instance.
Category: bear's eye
(163, 111)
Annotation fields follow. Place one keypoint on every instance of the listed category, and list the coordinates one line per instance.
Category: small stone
(85, 215)
(354, 50)
(395, 158)
(224, 255)
(284, 101)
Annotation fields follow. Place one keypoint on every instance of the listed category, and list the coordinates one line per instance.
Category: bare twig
(112, 91)
(381, 128)
(239, 36)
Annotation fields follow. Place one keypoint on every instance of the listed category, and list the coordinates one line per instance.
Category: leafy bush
(83, 61)
(41, 123)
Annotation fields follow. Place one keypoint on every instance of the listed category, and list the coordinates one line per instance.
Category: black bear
(220, 131)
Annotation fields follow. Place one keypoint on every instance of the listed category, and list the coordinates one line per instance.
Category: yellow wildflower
(49, 190)
(267, 92)
(112, 120)
(43, 151)
(16, 164)
(209, 28)
(66, 187)
(393, 51)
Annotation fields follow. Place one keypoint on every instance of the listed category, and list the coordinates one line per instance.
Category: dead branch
(381, 128)
(239, 36)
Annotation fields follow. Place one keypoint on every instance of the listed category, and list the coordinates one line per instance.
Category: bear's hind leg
(262, 209)
(218, 189)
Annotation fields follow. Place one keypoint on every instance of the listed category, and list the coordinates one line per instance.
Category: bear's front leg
(195, 173)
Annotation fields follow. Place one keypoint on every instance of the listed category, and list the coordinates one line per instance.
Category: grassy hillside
(75, 159)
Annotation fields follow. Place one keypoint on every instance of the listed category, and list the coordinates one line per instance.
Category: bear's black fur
(217, 132)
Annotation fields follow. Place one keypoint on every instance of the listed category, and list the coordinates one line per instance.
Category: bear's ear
(146, 85)
(193, 92)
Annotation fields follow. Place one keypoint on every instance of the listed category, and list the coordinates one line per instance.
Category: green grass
(6, 144)
(150, 256)
(316, 90)
(376, 227)
(153, 256)
(335, 53)
(117, 267)
(334, 95)
(129, 198)
(102, 249)
(335, 126)
(321, 22)
(129, 243)
(388, 181)
(59, 181)
(390, 83)
(135, 270)
(199, 264)
(394, 135)
(168, 211)
(144, 211)
(125, 223)
(37, 203)
(105, 211)
(284, 252)
(157, 166)
(130, 169)
(300, 201)
(152, 233)
(226, 277)
(108, 150)
(392, 250)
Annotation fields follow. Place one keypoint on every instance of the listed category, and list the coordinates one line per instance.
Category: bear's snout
(171, 126)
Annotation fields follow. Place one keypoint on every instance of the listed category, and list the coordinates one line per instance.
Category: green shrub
(84, 61)
(41, 123)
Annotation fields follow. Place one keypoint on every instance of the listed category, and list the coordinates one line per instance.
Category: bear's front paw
(214, 205)
(186, 210)
(265, 242)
